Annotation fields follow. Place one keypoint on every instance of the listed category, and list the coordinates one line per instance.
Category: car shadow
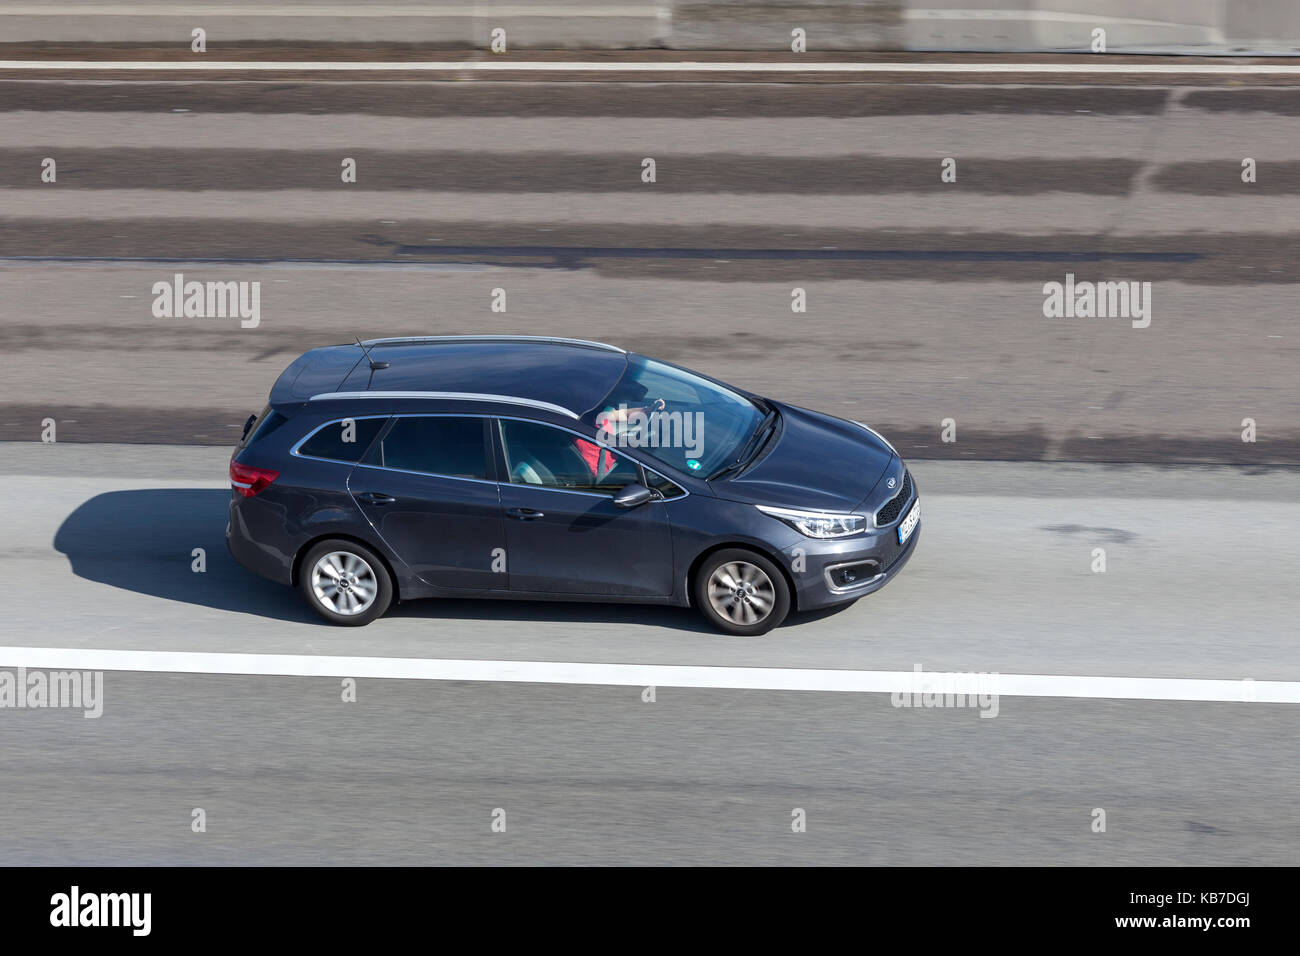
(577, 612)
(143, 540)
(822, 614)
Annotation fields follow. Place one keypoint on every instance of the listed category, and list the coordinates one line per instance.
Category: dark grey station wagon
(557, 469)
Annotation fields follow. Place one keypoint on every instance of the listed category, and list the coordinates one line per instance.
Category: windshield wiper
(752, 447)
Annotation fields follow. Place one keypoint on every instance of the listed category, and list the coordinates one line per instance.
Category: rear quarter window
(345, 440)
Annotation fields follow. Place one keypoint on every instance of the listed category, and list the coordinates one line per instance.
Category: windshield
(676, 417)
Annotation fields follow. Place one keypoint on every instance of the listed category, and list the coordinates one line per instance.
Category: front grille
(892, 508)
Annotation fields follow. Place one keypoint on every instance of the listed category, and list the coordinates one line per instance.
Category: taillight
(248, 480)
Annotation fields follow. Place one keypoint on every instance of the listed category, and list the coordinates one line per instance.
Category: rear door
(563, 533)
(427, 488)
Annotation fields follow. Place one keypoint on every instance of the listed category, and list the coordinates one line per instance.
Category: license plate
(909, 523)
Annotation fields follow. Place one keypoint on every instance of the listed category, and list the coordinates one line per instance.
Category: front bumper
(876, 559)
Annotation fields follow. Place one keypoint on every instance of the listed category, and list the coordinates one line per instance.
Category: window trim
(427, 474)
(495, 452)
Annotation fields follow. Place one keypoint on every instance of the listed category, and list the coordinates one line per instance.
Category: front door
(564, 534)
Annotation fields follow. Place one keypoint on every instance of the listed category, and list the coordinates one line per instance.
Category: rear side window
(435, 445)
(346, 440)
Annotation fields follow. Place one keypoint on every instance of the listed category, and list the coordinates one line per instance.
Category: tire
(734, 587)
(368, 589)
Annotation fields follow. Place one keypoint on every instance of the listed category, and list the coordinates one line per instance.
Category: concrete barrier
(768, 24)
(451, 24)
(1131, 26)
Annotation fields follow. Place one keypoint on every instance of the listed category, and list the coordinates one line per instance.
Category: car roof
(571, 375)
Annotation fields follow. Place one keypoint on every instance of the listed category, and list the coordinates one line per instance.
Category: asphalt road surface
(1131, 691)
(286, 772)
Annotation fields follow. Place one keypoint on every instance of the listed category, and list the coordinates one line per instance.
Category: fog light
(851, 574)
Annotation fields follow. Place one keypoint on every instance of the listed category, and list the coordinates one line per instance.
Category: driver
(614, 421)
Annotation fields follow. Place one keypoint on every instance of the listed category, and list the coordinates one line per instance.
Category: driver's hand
(658, 405)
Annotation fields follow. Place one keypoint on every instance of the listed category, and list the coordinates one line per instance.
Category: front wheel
(741, 592)
(345, 583)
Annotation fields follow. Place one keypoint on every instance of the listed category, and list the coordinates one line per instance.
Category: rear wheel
(741, 592)
(345, 583)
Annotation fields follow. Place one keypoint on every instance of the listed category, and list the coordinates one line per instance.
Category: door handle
(376, 498)
(525, 514)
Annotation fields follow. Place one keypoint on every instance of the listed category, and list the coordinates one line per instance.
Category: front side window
(346, 440)
(554, 458)
(434, 445)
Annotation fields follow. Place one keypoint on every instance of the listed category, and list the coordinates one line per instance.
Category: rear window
(449, 446)
(346, 440)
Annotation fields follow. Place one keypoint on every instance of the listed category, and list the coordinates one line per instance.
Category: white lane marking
(642, 675)
(601, 66)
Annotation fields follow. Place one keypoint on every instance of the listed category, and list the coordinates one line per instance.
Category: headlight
(818, 524)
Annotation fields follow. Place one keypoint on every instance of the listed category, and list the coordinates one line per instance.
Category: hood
(817, 463)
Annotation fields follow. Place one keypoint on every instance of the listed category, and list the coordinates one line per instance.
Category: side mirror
(630, 496)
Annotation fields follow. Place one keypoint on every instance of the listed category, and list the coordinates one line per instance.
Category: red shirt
(598, 459)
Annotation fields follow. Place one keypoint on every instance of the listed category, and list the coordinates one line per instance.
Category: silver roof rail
(494, 338)
(451, 397)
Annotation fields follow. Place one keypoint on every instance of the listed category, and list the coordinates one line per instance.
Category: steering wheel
(638, 428)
